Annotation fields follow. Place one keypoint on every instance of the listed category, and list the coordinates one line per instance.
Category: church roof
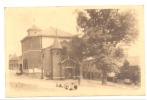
(34, 27)
(56, 44)
(52, 32)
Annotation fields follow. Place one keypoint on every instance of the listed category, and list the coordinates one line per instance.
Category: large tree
(106, 31)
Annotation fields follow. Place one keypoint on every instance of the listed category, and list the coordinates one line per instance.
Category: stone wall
(31, 43)
(47, 63)
(56, 59)
(33, 59)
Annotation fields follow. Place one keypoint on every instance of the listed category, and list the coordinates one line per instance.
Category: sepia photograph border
(13, 4)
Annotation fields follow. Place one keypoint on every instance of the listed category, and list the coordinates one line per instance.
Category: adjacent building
(130, 70)
(90, 70)
(14, 62)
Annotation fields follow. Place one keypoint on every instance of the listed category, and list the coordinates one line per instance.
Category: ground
(24, 86)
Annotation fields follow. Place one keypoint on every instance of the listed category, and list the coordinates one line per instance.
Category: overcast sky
(18, 20)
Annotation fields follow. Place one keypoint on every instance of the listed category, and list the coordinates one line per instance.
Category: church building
(49, 50)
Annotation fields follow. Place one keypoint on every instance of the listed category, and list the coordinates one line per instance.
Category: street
(23, 86)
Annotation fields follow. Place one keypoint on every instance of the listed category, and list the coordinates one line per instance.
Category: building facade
(48, 51)
(14, 62)
(90, 70)
(130, 71)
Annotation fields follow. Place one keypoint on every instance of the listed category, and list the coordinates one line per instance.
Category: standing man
(79, 80)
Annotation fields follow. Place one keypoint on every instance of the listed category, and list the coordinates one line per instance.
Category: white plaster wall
(47, 41)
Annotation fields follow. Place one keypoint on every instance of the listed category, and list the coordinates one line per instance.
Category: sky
(19, 19)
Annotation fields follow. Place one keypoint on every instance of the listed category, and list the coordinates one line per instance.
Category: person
(79, 80)
(21, 68)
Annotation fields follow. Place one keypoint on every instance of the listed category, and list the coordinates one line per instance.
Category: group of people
(69, 85)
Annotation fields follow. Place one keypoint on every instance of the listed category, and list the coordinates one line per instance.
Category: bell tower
(34, 30)
(56, 53)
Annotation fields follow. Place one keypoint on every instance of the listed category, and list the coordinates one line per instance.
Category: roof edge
(52, 36)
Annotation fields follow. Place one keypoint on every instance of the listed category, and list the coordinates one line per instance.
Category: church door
(68, 73)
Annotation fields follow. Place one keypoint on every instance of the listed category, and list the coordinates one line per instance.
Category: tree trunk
(104, 77)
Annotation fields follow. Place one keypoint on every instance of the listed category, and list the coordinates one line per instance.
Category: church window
(64, 50)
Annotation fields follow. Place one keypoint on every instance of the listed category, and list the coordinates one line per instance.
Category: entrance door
(68, 73)
(25, 63)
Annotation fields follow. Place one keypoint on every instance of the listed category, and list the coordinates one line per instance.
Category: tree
(106, 31)
(77, 48)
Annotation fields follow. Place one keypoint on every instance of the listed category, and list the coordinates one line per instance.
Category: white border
(71, 2)
(26, 3)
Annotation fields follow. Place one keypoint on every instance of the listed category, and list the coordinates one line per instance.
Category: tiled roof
(56, 44)
(53, 31)
(14, 58)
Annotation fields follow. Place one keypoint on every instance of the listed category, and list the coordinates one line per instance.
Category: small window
(64, 50)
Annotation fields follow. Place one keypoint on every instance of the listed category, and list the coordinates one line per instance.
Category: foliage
(104, 30)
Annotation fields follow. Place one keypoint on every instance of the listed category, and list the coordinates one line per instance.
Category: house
(14, 62)
(90, 70)
(130, 71)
